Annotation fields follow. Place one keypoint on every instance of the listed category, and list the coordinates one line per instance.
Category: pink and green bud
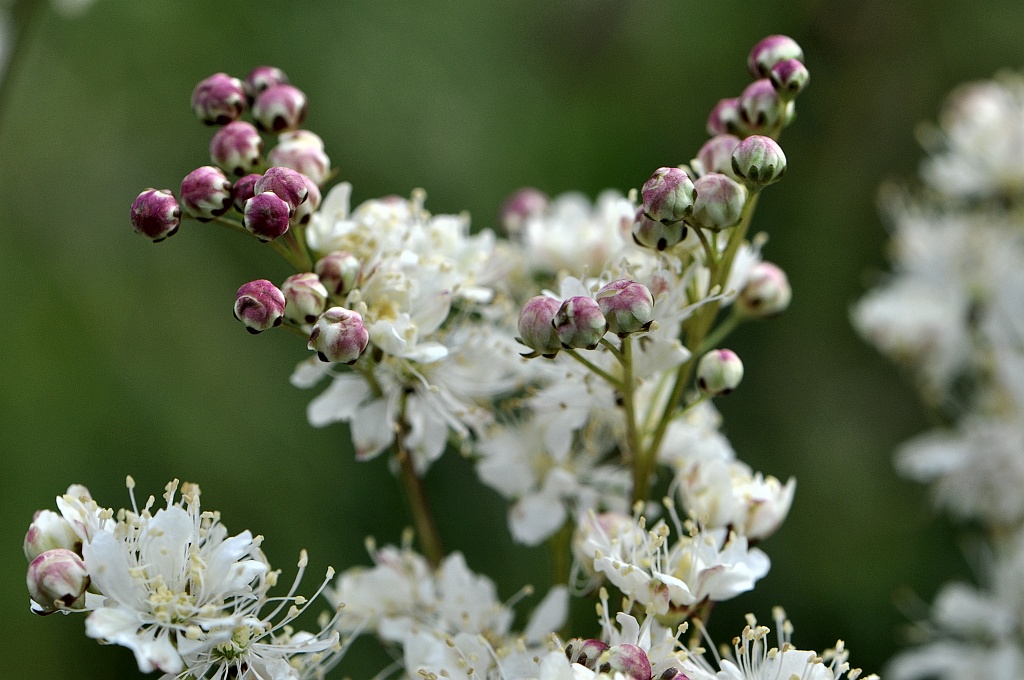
(339, 336)
(266, 216)
(789, 77)
(668, 195)
(305, 297)
(261, 78)
(536, 325)
(206, 193)
(302, 151)
(579, 323)
(49, 531)
(259, 305)
(766, 293)
(585, 652)
(289, 186)
(236, 148)
(244, 189)
(724, 117)
(770, 51)
(630, 660)
(761, 108)
(156, 214)
(759, 161)
(279, 108)
(57, 579)
(719, 372)
(719, 203)
(628, 306)
(520, 207)
(339, 271)
(304, 213)
(716, 155)
(219, 99)
(650, 233)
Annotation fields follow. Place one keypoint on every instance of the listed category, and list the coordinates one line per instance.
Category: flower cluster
(950, 315)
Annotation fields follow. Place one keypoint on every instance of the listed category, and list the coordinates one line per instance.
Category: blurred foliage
(119, 356)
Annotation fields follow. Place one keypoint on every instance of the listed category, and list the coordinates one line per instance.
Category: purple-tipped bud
(628, 306)
(522, 205)
(536, 325)
(289, 186)
(339, 272)
(279, 108)
(630, 660)
(304, 213)
(339, 336)
(668, 195)
(236, 148)
(789, 77)
(156, 214)
(719, 372)
(57, 579)
(585, 652)
(261, 78)
(770, 51)
(657, 235)
(259, 305)
(767, 292)
(580, 323)
(266, 216)
(719, 203)
(49, 531)
(304, 296)
(759, 161)
(219, 99)
(716, 155)
(205, 193)
(724, 117)
(302, 151)
(243, 190)
(760, 106)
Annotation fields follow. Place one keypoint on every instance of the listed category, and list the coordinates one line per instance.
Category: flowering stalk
(416, 496)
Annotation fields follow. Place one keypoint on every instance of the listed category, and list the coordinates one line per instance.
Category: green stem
(416, 496)
(721, 331)
(633, 443)
(709, 251)
(612, 380)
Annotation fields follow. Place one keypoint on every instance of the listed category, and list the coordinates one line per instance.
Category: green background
(119, 356)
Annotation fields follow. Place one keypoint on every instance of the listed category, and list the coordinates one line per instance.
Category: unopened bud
(630, 660)
(716, 155)
(236, 148)
(767, 292)
(585, 652)
(724, 117)
(244, 189)
(628, 306)
(279, 108)
(761, 109)
(339, 336)
(48, 531)
(219, 99)
(205, 193)
(719, 203)
(339, 272)
(668, 195)
(266, 216)
(789, 77)
(759, 161)
(57, 579)
(719, 372)
(305, 297)
(657, 235)
(522, 205)
(304, 213)
(156, 214)
(286, 183)
(262, 77)
(302, 151)
(259, 305)
(770, 51)
(580, 323)
(536, 325)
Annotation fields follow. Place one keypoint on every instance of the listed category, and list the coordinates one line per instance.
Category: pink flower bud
(760, 106)
(657, 235)
(286, 183)
(789, 77)
(261, 78)
(304, 213)
(205, 193)
(339, 271)
(770, 51)
(57, 579)
(266, 216)
(259, 305)
(759, 161)
(724, 117)
(585, 652)
(520, 207)
(719, 203)
(219, 99)
(628, 306)
(719, 372)
(156, 214)
(536, 329)
(302, 151)
(716, 155)
(243, 190)
(339, 336)
(236, 147)
(279, 108)
(580, 323)
(48, 531)
(630, 660)
(668, 195)
(305, 297)
(767, 292)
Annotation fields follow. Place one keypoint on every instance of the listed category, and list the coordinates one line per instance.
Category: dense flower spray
(574, 359)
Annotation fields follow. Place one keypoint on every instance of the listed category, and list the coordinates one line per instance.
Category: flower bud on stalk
(719, 372)
(259, 305)
(266, 216)
(630, 660)
(261, 78)
(585, 652)
(219, 99)
(236, 148)
(536, 325)
(668, 195)
(339, 272)
(766, 293)
(339, 336)
(770, 51)
(628, 306)
(57, 579)
(304, 213)
(206, 193)
(279, 108)
(759, 161)
(521, 206)
(719, 203)
(724, 117)
(760, 106)
(716, 155)
(305, 297)
(244, 189)
(156, 214)
(789, 77)
(302, 151)
(48, 531)
(657, 235)
(286, 183)
(580, 323)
